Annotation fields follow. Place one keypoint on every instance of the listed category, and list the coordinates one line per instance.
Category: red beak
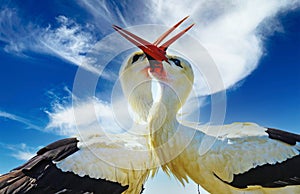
(152, 50)
(148, 48)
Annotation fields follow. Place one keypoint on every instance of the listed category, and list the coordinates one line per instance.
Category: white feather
(122, 158)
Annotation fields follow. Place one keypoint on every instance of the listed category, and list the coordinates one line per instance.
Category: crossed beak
(154, 53)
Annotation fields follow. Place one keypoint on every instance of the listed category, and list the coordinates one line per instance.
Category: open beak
(155, 53)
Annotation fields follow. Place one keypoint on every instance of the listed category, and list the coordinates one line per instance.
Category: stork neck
(162, 116)
(165, 99)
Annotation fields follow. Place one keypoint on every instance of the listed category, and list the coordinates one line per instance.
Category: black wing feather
(40, 175)
(284, 136)
(273, 175)
(268, 175)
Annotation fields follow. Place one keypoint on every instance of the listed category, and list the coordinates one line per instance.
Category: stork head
(151, 62)
(136, 84)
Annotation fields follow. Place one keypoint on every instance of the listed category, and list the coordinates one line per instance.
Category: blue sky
(42, 45)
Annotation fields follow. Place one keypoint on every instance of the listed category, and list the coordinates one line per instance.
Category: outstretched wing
(40, 174)
(279, 174)
(269, 158)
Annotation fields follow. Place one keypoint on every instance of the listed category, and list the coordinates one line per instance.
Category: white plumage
(235, 158)
(124, 158)
(213, 156)
(96, 162)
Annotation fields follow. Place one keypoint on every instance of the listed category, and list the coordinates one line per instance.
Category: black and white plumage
(98, 162)
(236, 158)
(280, 174)
(40, 174)
(241, 158)
(95, 161)
(245, 158)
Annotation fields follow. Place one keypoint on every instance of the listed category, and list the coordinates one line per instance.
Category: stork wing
(40, 174)
(122, 158)
(246, 154)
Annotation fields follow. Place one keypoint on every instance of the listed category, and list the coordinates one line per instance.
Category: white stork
(245, 157)
(97, 163)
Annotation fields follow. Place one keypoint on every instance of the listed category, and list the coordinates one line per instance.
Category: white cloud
(122, 13)
(17, 118)
(13, 32)
(231, 31)
(73, 42)
(88, 116)
(21, 151)
(23, 155)
(69, 41)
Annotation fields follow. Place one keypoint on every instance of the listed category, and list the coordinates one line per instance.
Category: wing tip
(284, 136)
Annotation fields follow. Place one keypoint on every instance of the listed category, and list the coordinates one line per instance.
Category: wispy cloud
(22, 120)
(14, 33)
(20, 151)
(23, 155)
(117, 12)
(69, 40)
(231, 31)
(88, 116)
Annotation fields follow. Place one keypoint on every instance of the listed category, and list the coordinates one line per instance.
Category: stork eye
(135, 58)
(177, 62)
